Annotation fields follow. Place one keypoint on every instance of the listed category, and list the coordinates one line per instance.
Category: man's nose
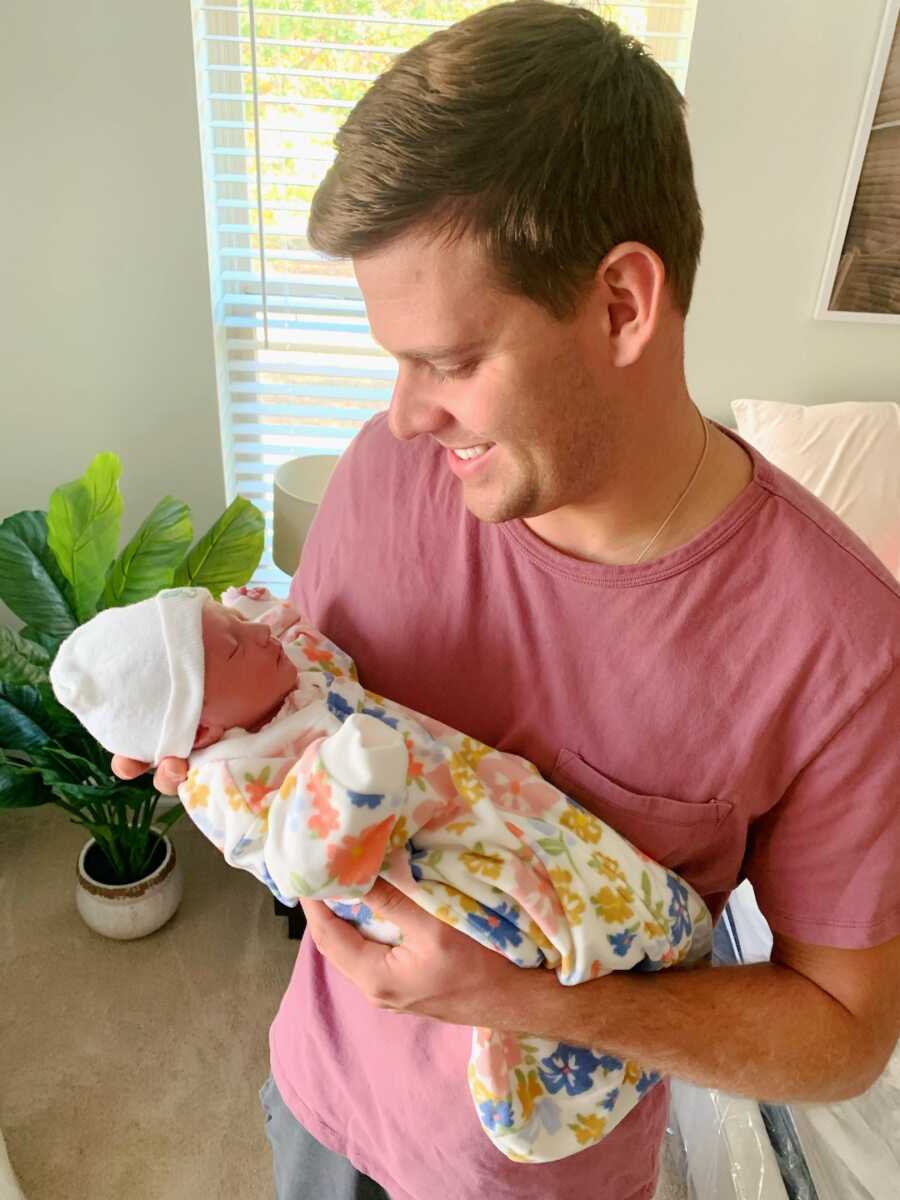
(411, 411)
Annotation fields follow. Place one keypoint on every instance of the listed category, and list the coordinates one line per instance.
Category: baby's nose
(263, 634)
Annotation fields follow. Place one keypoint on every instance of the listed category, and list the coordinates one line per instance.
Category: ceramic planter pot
(128, 910)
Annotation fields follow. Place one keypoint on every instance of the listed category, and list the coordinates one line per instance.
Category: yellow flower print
(607, 866)
(471, 752)
(583, 824)
(234, 797)
(612, 905)
(571, 901)
(478, 862)
(633, 1072)
(459, 827)
(195, 793)
(588, 1128)
(536, 934)
(466, 903)
(528, 1089)
(446, 914)
(400, 835)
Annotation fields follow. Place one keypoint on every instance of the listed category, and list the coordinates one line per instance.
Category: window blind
(297, 369)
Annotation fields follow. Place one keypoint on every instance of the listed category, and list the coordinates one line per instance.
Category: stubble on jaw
(560, 456)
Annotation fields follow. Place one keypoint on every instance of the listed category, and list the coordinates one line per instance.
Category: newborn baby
(317, 787)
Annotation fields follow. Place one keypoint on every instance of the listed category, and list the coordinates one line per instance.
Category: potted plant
(57, 570)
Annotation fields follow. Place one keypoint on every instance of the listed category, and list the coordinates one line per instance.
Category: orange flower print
(256, 788)
(325, 817)
(499, 1053)
(357, 859)
(416, 767)
(537, 896)
(515, 788)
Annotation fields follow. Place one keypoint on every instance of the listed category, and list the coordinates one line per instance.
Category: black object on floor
(296, 918)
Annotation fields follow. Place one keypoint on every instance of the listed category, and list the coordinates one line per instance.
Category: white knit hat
(133, 676)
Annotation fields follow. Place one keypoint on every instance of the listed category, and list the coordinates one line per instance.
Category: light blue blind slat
(298, 369)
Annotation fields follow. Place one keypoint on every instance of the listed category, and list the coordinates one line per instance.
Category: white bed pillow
(846, 454)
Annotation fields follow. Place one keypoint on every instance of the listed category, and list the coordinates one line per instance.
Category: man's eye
(455, 373)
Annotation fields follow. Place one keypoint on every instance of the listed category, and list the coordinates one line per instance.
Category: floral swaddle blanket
(343, 786)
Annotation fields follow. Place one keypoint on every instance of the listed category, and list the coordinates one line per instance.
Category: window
(297, 369)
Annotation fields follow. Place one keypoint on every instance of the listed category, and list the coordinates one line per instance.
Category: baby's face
(246, 672)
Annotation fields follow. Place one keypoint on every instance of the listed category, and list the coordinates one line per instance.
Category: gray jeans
(302, 1167)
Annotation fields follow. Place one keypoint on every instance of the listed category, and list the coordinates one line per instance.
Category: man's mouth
(467, 452)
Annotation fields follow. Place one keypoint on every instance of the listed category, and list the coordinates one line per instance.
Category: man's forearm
(763, 1031)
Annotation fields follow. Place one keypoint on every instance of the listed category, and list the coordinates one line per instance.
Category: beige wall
(105, 339)
(105, 331)
(774, 93)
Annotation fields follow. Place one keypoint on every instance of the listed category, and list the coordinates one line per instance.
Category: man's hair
(542, 130)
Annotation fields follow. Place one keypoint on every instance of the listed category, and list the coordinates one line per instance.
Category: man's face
(246, 672)
(480, 368)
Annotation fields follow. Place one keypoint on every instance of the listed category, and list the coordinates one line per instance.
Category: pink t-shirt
(732, 708)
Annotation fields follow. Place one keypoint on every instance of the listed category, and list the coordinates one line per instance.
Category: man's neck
(616, 529)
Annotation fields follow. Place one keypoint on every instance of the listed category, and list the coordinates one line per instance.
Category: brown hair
(541, 129)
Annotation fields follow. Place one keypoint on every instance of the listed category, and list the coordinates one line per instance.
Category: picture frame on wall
(861, 279)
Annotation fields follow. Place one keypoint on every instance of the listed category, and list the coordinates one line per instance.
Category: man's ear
(633, 279)
(206, 735)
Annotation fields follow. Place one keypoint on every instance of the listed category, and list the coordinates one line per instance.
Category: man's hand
(436, 971)
(169, 773)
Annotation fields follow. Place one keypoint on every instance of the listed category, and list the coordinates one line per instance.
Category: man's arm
(817, 1024)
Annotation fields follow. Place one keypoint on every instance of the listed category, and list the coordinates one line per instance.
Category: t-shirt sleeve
(824, 860)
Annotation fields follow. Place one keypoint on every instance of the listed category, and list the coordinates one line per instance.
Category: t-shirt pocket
(697, 839)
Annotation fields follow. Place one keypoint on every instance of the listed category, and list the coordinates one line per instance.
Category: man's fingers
(169, 773)
(127, 768)
(360, 960)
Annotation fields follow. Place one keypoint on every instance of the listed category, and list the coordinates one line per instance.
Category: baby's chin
(288, 676)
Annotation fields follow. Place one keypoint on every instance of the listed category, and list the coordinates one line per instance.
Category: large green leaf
(21, 661)
(57, 720)
(22, 720)
(83, 530)
(148, 562)
(229, 553)
(21, 787)
(47, 641)
(31, 583)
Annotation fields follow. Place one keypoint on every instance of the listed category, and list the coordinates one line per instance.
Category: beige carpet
(130, 1070)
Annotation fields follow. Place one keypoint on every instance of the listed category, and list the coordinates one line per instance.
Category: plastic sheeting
(736, 1149)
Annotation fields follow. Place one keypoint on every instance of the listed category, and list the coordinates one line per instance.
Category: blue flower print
(621, 942)
(569, 1067)
(646, 1082)
(339, 707)
(356, 914)
(374, 711)
(497, 925)
(678, 910)
(365, 799)
(610, 1102)
(288, 902)
(494, 1113)
(608, 1063)
(415, 856)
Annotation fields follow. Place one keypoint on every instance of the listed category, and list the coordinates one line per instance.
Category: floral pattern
(477, 838)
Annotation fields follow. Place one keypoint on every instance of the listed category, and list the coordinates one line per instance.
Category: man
(544, 544)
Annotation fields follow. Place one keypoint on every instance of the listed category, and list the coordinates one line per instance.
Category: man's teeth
(471, 452)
